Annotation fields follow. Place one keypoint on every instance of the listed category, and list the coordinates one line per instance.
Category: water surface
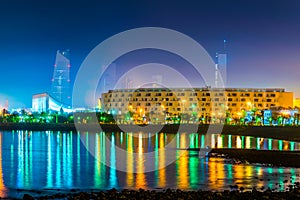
(50, 161)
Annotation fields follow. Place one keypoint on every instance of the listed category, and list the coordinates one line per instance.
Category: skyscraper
(221, 67)
(60, 90)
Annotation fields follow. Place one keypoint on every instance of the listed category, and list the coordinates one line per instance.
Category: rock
(27, 197)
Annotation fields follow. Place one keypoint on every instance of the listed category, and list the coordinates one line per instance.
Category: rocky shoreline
(293, 193)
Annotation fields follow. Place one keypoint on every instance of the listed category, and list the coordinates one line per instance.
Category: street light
(141, 110)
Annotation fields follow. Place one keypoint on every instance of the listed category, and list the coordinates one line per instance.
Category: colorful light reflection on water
(47, 161)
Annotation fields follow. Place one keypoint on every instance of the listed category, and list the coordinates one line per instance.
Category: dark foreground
(294, 193)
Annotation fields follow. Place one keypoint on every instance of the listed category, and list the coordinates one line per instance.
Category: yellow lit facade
(297, 102)
(198, 102)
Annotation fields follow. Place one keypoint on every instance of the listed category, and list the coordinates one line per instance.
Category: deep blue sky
(263, 37)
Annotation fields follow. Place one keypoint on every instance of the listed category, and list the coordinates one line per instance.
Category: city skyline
(262, 39)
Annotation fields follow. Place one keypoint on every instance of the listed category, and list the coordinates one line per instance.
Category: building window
(158, 94)
(243, 99)
(233, 94)
(229, 99)
(148, 94)
(269, 100)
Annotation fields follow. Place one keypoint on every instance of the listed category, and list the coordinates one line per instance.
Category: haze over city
(262, 39)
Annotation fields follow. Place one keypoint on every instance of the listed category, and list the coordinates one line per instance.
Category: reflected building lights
(113, 168)
(280, 145)
(202, 141)
(229, 142)
(270, 145)
(162, 169)
(2, 186)
(248, 142)
(140, 176)
(257, 143)
(182, 164)
(130, 161)
(49, 163)
(220, 141)
(238, 142)
(62, 161)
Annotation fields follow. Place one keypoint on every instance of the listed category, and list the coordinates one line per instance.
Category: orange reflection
(140, 176)
(286, 145)
(162, 169)
(216, 174)
(129, 173)
(183, 178)
(2, 186)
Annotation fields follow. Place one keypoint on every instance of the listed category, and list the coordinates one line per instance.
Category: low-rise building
(193, 102)
(43, 102)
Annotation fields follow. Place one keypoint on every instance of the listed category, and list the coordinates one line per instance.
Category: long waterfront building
(196, 102)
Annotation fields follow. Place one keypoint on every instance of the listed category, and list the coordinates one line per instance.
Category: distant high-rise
(60, 90)
(221, 67)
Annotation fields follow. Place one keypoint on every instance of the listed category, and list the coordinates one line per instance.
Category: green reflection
(243, 142)
(202, 141)
(258, 143)
(269, 144)
(292, 146)
(280, 144)
(229, 142)
(121, 137)
(113, 171)
(194, 173)
(99, 178)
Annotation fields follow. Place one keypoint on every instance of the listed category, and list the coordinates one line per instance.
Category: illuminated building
(61, 78)
(45, 103)
(297, 102)
(198, 102)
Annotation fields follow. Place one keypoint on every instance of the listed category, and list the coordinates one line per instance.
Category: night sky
(263, 38)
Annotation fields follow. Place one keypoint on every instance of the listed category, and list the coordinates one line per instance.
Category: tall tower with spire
(60, 90)
(221, 67)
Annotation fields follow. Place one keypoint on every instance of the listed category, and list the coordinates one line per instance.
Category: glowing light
(238, 142)
(270, 144)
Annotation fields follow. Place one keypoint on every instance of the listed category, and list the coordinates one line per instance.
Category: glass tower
(60, 90)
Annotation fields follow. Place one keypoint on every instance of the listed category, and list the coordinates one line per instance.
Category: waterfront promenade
(291, 133)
